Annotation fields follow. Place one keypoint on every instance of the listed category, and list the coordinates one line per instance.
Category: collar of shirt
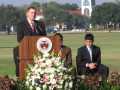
(90, 51)
(30, 22)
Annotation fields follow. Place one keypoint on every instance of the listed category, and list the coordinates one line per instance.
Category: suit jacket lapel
(93, 52)
(63, 51)
(28, 26)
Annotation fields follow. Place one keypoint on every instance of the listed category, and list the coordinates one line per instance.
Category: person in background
(88, 59)
(40, 23)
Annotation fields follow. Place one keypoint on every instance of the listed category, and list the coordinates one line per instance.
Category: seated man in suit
(88, 59)
(65, 52)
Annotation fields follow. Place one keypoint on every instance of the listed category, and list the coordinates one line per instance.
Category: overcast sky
(23, 2)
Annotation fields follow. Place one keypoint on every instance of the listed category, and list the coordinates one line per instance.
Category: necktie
(90, 52)
(33, 27)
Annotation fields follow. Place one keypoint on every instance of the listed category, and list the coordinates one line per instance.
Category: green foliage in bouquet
(20, 85)
(104, 86)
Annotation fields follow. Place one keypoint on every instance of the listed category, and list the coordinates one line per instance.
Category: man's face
(31, 13)
(88, 43)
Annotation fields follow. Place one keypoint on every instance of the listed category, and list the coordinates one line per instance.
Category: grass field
(109, 43)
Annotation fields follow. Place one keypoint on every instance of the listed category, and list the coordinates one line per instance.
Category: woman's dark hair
(60, 35)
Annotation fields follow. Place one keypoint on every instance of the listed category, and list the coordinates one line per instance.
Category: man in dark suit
(88, 58)
(30, 27)
(27, 27)
(65, 52)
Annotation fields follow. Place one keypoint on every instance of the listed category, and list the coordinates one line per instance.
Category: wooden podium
(28, 47)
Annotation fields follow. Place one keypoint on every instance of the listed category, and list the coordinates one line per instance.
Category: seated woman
(65, 51)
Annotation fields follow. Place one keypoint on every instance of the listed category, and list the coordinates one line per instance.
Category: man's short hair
(60, 35)
(89, 36)
(31, 7)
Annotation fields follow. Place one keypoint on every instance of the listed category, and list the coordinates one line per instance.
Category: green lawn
(109, 43)
(7, 42)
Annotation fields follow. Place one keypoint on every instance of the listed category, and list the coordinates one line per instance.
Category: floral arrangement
(114, 79)
(96, 82)
(48, 73)
(6, 83)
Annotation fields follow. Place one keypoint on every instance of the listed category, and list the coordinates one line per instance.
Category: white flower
(34, 68)
(29, 80)
(39, 70)
(50, 70)
(27, 77)
(58, 58)
(70, 84)
(59, 86)
(31, 88)
(44, 87)
(61, 82)
(27, 83)
(39, 57)
(49, 63)
(42, 72)
(38, 88)
(52, 59)
(43, 65)
(51, 76)
(35, 59)
(46, 55)
(41, 60)
(53, 81)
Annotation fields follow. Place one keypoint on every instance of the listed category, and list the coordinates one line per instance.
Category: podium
(28, 47)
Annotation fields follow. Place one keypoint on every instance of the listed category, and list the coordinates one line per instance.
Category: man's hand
(91, 65)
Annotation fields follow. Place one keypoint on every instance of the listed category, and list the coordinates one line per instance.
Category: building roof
(74, 12)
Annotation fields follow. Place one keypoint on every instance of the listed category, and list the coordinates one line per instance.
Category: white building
(86, 7)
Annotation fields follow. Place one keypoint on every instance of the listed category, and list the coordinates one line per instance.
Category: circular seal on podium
(44, 45)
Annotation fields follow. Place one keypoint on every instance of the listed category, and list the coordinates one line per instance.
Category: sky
(23, 2)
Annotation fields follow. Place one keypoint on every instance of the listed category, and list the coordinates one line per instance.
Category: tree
(69, 6)
(106, 13)
(9, 15)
